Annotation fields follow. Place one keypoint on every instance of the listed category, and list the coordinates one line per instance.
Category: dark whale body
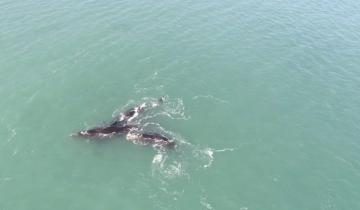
(103, 132)
(153, 138)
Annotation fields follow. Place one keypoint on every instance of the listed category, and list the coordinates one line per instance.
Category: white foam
(207, 155)
(158, 160)
(166, 168)
(211, 97)
(203, 156)
(12, 132)
(210, 153)
(205, 203)
(225, 150)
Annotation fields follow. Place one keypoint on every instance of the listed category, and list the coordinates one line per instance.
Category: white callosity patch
(132, 136)
(122, 117)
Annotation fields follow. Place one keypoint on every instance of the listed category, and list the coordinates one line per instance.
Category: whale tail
(161, 99)
(159, 102)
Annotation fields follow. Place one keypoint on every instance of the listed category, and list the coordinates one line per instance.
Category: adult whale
(152, 138)
(105, 131)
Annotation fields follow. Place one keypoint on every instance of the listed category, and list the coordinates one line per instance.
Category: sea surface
(262, 98)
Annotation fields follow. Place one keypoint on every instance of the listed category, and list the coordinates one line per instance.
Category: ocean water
(262, 98)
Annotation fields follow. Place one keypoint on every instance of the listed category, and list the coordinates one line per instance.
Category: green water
(262, 99)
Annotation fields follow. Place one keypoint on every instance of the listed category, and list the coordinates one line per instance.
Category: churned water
(262, 98)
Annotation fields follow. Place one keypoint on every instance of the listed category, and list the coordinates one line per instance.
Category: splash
(167, 167)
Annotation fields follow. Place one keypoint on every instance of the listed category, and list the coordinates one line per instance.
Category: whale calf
(153, 138)
(130, 114)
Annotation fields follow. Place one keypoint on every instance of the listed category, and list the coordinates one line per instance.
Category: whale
(105, 131)
(129, 115)
(132, 113)
(152, 138)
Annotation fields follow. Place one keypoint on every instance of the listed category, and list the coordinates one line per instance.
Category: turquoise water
(262, 99)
